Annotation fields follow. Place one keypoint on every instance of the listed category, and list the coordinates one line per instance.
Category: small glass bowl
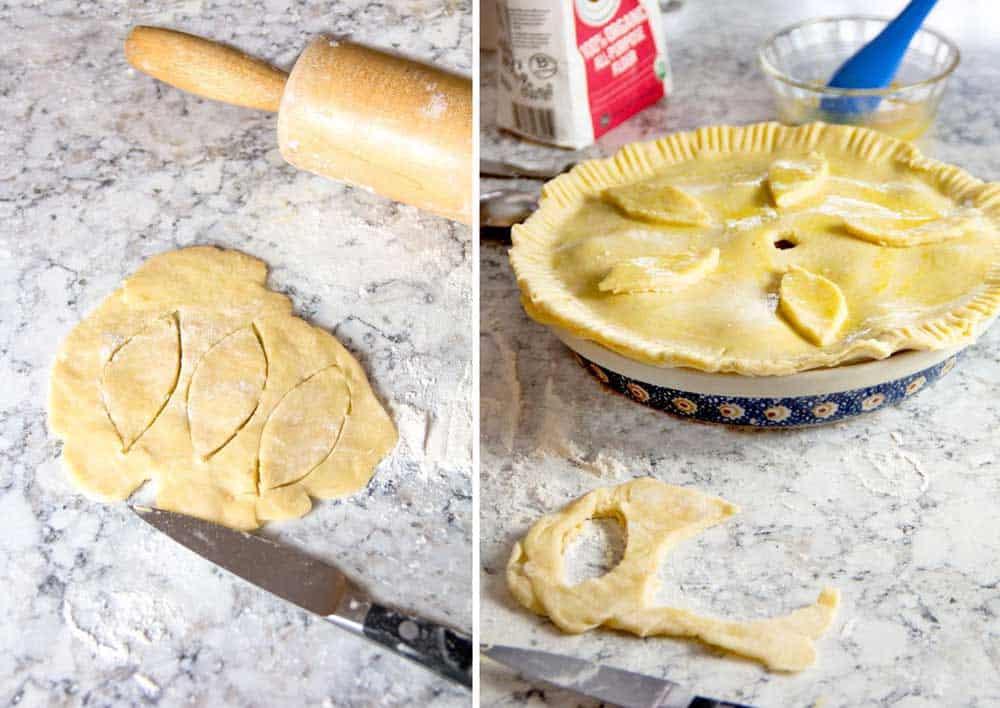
(800, 59)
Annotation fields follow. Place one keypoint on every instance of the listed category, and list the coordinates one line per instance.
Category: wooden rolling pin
(355, 114)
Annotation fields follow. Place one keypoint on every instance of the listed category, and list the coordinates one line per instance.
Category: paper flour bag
(571, 70)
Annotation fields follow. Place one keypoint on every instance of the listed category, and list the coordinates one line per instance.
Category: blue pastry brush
(875, 64)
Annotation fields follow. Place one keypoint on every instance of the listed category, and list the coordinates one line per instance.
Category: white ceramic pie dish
(810, 397)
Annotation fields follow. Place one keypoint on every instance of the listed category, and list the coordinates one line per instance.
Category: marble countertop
(101, 167)
(900, 510)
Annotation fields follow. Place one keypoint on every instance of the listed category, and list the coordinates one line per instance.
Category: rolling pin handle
(205, 68)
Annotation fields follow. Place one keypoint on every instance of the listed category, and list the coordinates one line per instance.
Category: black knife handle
(440, 649)
(702, 702)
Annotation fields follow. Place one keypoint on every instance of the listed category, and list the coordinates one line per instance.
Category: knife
(605, 683)
(499, 209)
(502, 208)
(500, 168)
(320, 588)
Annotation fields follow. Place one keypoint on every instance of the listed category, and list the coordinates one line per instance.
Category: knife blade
(605, 683)
(500, 168)
(499, 209)
(320, 588)
(502, 208)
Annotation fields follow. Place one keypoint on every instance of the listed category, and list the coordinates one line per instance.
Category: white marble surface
(900, 510)
(101, 167)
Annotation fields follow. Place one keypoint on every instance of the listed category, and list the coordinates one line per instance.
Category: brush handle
(205, 68)
(875, 64)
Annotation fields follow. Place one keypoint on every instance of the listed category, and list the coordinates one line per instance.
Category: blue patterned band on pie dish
(762, 412)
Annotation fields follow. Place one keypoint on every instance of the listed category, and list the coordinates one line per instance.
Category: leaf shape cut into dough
(303, 428)
(141, 377)
(904, 232)
(659, 273)
(813, 305)
(664, 203)
(794, 181)
(225, 390)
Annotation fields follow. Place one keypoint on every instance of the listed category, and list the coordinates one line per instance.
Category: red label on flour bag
(571, 70)
(624, 70)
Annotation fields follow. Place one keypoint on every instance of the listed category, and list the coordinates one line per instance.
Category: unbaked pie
(764, 250)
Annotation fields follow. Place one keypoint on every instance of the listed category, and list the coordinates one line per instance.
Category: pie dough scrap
(656, 517)
(939, 288)
(659, 202)
(196, 376)
(907, 232)
(813, 305)
(659, 273)
(794, 181)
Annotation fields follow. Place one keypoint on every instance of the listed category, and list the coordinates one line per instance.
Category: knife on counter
(511, 170)
(501, 208)
(605, 683)
(321, 589)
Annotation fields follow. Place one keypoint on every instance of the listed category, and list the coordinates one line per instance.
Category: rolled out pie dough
(655, 516)
(195, 375)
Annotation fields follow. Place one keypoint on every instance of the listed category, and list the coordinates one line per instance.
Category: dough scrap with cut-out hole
(793, 181)
(904, 232)
(812, 304)
(656, 517)
(659, 273)
(191, 374)
(655, 201)
(225, 390)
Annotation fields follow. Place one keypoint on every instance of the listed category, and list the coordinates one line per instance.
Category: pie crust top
(764, 250)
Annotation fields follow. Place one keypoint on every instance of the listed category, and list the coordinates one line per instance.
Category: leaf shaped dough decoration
(659, 273)
(658, 202)
(141, 377)
(303, 428)
(225, 390)
(794, 181)
(904, 232)
(813, 305)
